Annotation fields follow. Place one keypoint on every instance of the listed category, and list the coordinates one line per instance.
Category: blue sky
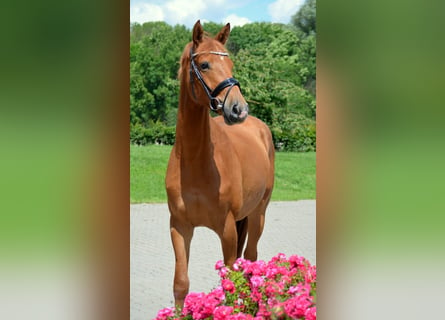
(236, 12)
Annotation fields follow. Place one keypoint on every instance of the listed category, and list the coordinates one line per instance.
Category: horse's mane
(184, 60)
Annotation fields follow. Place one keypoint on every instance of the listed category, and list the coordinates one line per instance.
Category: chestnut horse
(221, 170)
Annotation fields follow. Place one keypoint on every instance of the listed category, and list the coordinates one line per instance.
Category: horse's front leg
(181, 235)
(229, 239)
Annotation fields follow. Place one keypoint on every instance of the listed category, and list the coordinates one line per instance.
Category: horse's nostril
(235, 109)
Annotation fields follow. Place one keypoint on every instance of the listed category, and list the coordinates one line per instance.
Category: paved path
(289, 228)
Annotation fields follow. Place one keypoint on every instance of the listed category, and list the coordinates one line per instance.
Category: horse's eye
(204, 65)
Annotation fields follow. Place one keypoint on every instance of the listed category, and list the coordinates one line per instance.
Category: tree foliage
(275, 64)
(155, 49)
(305, 18)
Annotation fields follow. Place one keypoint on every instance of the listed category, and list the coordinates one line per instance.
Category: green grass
(148, 165)
(294, 174)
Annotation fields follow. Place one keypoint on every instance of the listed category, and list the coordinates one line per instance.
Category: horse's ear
(197, 33)
(223, 35)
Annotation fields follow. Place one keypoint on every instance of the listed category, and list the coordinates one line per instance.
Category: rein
(215, 104)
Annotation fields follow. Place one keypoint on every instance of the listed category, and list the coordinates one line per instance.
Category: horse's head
(207, 66)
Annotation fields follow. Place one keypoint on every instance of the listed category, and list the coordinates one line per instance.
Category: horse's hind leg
(255, 229)
(229, 239)
(241, 231)
(181, 235)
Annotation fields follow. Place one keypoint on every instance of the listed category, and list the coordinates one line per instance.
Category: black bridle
(215, 103)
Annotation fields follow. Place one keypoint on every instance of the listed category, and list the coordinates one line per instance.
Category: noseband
(215, 103)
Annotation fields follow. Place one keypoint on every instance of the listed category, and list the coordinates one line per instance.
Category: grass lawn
(294, 174)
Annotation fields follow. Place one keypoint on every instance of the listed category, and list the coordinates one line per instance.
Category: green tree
(155, 49)
(305, 18)
(141, 101)
(212, 28)
(253, 37)
(274, 69)
(275, 64)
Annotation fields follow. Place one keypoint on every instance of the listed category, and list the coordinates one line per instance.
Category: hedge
(156, 133)
(294, 132)
(290, 133)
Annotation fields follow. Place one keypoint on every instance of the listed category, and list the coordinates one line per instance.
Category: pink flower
(299, 289)
(272, 289)
(263, 311)
(228, 285)
(256, 295)
(279, 288)
(192, 303)
(223, 272)
(246, 264)
(311, 313)
(296, 260)
(285, 280)
(222, 312)
(163, 314)
(240, 316)
(296, 306)
(311, 274)
(292, 290)
(217, 294)
(200, 305)
(271, 272)
(256, 268)
(256, 281)
(283, 271)
(279, 257)
(219, 264)
(238, 265)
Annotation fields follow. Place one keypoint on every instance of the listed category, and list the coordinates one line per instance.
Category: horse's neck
(193, 132)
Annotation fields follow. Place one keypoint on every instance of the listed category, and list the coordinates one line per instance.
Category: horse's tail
(241, 230)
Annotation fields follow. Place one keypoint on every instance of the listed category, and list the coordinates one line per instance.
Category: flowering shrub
(279, 289)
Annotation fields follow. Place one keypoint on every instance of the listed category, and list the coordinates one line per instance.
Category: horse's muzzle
(236, 113)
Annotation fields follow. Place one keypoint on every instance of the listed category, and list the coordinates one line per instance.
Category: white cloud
(172, 12)
(143, 12)
(185, 12)
(235, 20)
(283, 10)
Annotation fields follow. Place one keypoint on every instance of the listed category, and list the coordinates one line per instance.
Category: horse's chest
(201, 206)
(203, 194)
